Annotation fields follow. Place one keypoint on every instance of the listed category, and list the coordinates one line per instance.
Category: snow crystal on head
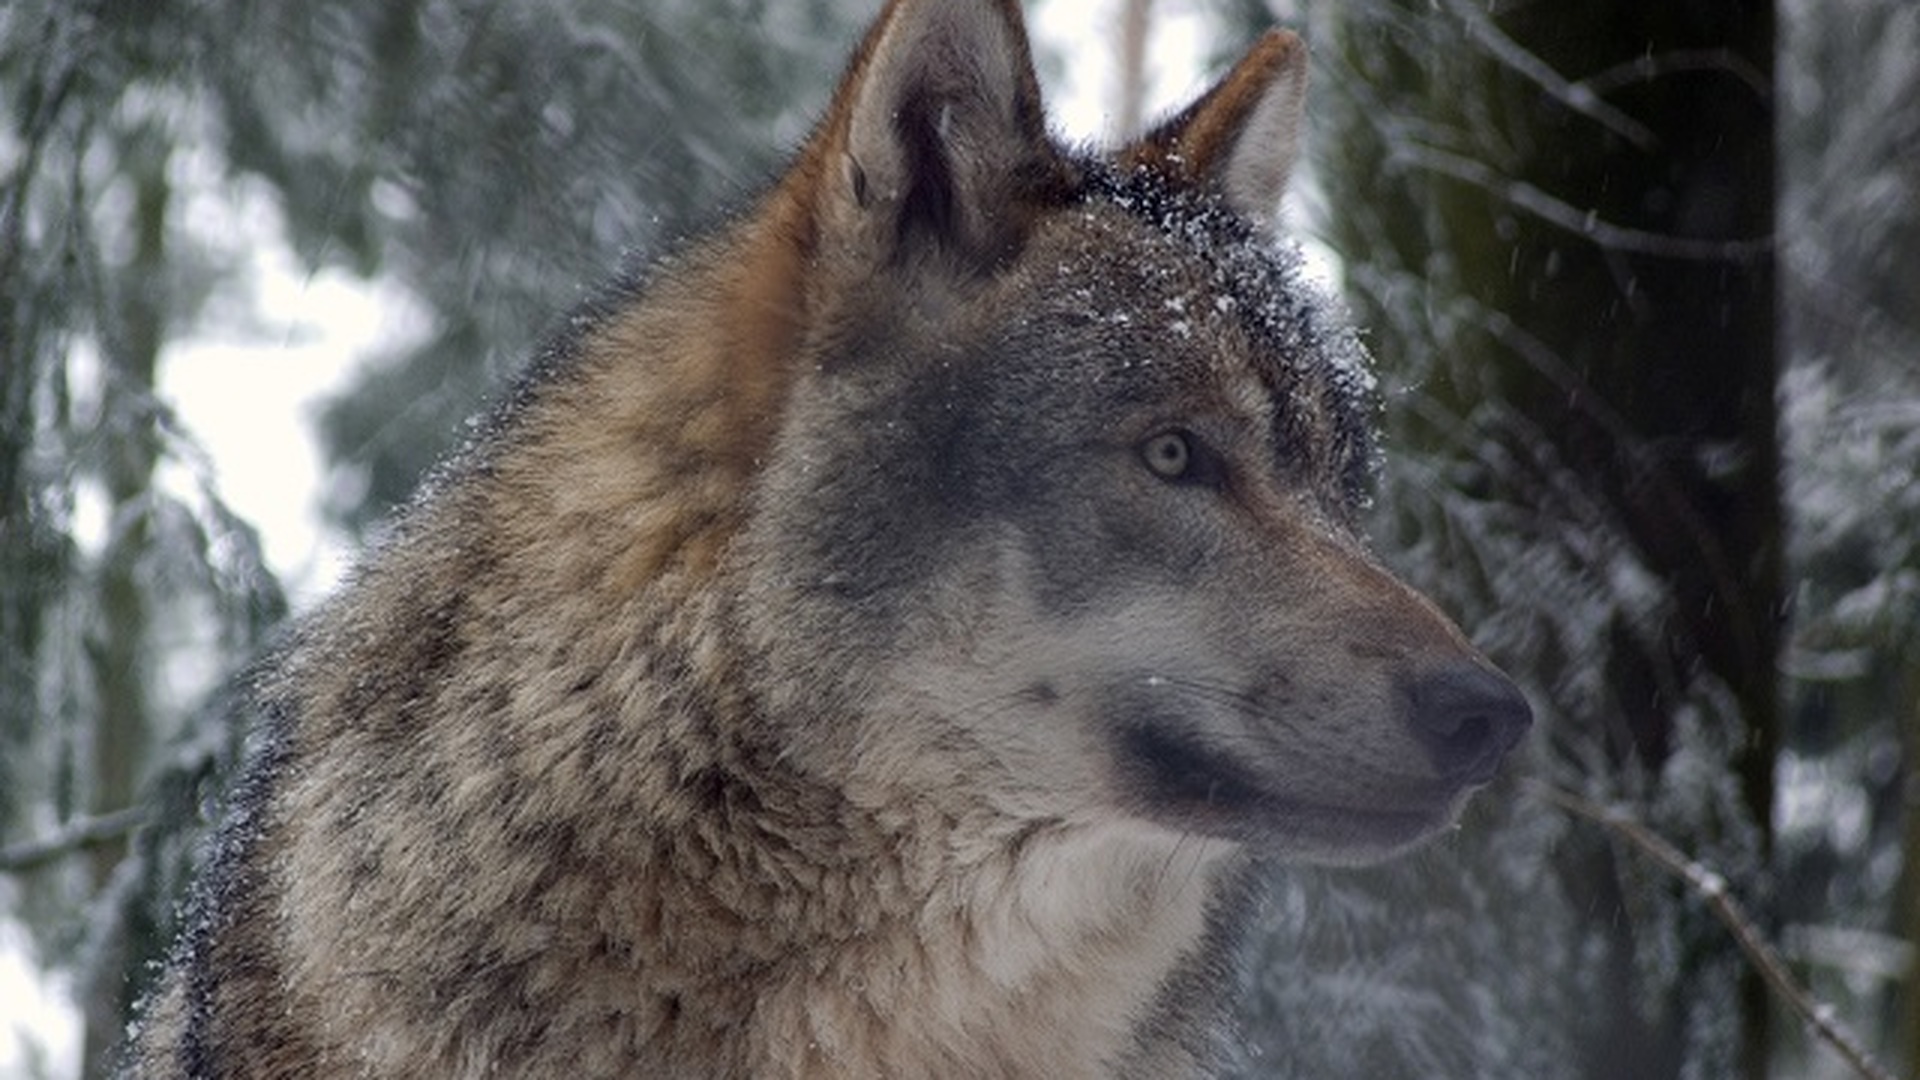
(1264, 282)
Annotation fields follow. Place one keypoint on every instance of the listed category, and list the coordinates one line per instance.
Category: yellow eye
(1169, 454)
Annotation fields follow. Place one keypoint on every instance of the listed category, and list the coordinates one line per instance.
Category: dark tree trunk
(120, 647)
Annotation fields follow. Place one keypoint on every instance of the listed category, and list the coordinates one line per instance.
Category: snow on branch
(1818, 1015)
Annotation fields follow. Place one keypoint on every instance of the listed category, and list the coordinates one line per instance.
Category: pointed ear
(1242, 137)
(933, 134)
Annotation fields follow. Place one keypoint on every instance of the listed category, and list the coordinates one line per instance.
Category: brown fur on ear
(934, 134)
(1242, 136)
(935, 140)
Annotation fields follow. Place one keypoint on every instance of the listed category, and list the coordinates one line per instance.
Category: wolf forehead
(1210, 264)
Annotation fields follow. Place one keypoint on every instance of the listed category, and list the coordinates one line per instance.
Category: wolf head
(1061, 511)
(1032, 477)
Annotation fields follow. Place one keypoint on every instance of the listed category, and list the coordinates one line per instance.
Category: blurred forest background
(1640, 278)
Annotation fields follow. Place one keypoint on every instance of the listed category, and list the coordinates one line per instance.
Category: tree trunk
(31, 562)
(1130, 69)
(1907, 896)
(119, 648)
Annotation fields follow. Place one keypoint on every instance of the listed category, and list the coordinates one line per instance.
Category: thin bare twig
(1647, 68)
(1580, 98)
(1818, 1016)
(1533, 200)
(71, 838)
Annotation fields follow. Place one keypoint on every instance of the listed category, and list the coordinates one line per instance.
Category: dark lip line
(1409, 798)
(1393, 826)
(1404, 815)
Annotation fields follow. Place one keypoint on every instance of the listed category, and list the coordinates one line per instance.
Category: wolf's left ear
(1242, 137)
(934, 133)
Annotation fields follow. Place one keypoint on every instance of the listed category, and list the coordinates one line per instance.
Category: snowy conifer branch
(75, 836)
(1818, 1016)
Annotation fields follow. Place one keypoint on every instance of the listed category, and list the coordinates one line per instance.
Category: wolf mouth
(1177, 778)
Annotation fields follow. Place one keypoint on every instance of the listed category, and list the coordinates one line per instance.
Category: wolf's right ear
(1240, 138)
(932, 135)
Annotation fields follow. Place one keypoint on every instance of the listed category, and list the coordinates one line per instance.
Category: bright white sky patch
(247, 384)
(1085, 34)
(37, 1020)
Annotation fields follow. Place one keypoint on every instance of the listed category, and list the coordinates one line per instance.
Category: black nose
(1467, 718)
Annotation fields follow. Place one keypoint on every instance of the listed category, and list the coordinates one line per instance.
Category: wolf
(881, 639)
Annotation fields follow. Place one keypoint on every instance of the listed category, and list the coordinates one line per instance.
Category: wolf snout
(1467, 718)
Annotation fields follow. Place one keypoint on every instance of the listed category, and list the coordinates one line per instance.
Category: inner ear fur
(935, 135)
(1242, 137)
